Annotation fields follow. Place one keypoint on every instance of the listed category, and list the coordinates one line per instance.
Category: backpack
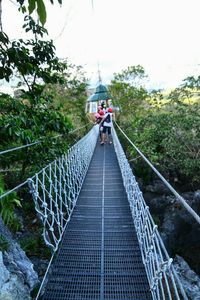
(107, 119)
(98, 120)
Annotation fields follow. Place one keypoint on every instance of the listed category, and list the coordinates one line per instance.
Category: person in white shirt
(107, 125)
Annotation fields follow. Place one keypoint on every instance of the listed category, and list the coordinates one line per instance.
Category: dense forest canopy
(164, 125)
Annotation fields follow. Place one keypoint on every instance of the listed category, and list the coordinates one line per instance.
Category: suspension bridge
(104, 241)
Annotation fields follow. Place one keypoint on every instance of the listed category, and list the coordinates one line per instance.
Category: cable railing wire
(179, 197)
(17, 148)
(20, 147)
(39, 142)
(13, 190)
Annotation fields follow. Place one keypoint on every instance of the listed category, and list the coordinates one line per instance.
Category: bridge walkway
(99, 257)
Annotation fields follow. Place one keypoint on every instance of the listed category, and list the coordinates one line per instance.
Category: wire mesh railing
(56, 187)
(163, 279)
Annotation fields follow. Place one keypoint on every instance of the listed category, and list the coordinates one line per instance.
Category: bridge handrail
(179, 197)
(56, 187)
(163, 279)
(55, 190)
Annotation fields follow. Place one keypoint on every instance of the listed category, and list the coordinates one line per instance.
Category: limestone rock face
(179, 230)
(18, 277)
(158, 187)
(189, 279)
(12, 285)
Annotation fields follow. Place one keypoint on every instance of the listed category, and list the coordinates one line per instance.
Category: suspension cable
(25, 182)
(39, 142)
(20, 147)
(13, 190)
(179, 197)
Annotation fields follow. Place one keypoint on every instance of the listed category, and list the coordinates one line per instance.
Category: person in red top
(99, 121)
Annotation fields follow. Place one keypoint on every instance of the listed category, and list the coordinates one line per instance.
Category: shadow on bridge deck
(99, 257)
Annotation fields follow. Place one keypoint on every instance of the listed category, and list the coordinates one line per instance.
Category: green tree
(35, 116)
(187, 92)
(127, 89)
(34, 60)
(156, 98)
(164, 126)
(170, 139)
(70, 97)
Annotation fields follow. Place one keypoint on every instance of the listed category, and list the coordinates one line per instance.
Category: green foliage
(191, 83)
(187, 92)
(170, 138)
(157, 99)
(4, 244)
(70, 98)
(21, 124)
(133, 75)
(33, 60)
(156, 219)
(36, 5)
(164, 126)
(127, 89)
(41, 112)
(7, 208)
(33, 246)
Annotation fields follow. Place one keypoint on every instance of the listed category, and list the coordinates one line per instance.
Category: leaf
(41, 10)
(17, 202)
(31, 6)
(10, 131)
(4, 38)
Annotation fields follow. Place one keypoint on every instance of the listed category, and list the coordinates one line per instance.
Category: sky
(160, 35)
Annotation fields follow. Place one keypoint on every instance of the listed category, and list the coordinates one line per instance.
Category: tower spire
(99, 75)
(92, 5)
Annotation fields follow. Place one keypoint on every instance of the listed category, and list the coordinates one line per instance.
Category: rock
(158, 187)
(196, 201)
(17, 261)
(159, 204)
(4, 272)
(18, 277)
(189, 279)
(197, 195)
(11, 285)
(40, 266)
(170, 228)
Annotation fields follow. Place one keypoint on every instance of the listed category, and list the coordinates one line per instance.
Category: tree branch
(1, 25)
(26, 81)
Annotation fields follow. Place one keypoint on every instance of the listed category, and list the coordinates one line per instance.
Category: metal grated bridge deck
(99, 257)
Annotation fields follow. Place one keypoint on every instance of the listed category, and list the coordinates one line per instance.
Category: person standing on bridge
(103, 107)
(99, 116)
(107, 125)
